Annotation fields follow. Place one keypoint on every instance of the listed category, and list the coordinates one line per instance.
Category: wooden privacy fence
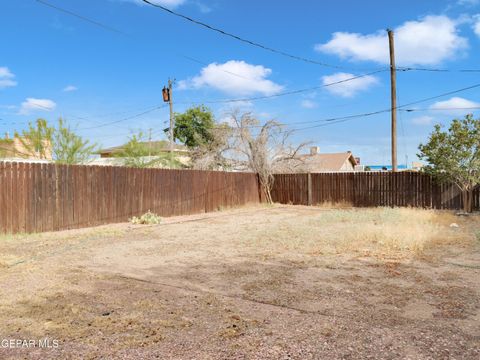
(369, 189)
(45, 197)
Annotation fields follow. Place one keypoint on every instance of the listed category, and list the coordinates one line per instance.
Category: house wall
(19, 150)
(347, 166)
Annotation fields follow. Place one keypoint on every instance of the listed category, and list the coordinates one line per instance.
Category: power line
(108, 115)
(229, 72)
(241, 39)
(335, 120)
(437, 70)
(441, 95)
(109, 28)
(124, 119)
(104, 115)
(339, 82)
(442, 109)
(71, 13)
(202, 62)
(293, 92)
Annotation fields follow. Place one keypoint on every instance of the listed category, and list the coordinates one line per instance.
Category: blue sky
(53, 64)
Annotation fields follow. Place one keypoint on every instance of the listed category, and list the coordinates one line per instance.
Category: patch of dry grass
(379, 232)
(14, 248)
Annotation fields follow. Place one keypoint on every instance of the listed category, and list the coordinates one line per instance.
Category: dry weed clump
(148, 218)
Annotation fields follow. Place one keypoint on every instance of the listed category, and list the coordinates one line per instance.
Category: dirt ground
(277, 282)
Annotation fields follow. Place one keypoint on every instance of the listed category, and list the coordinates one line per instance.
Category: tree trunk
(467, 197)
(267, 193)
(266, 189)
(470, 200)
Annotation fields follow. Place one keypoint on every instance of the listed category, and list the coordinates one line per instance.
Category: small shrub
(148, 218)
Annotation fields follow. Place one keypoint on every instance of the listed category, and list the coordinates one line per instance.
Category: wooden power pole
(393, 83)
(172, 120)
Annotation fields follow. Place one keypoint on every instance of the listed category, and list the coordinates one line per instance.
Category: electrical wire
(71, 13)
(204, 63)
(336, 120)
(293, 92)
(124, 119)
(442, 109)
(112, 29)
(241, 39)
(441, 95)
(330, 120)
(437, 70)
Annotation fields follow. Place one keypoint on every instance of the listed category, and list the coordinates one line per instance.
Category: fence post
(309, 186)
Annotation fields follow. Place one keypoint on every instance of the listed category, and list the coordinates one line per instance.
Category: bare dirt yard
(278, 282)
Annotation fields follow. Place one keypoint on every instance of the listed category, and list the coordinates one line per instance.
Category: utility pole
(393, 84)
(167, 97)
(172, 120)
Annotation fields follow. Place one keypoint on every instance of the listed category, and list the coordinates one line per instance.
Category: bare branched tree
(263, 148)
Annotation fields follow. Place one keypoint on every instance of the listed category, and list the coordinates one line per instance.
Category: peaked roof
(327, 161)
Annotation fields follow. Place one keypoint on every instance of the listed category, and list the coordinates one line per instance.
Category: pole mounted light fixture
(166, 94)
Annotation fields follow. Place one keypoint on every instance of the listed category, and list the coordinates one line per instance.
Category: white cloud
(428, 41)
(348, 88)
(455, 106)
(476, 25)
(6, 78)
(70, 88)
(308, 104)
(455, 103)
(31, 104)
(6, 73)
(166, 3)
(235, 78)
(423, 120)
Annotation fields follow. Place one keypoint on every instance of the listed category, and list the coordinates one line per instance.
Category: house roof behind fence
(327, 161)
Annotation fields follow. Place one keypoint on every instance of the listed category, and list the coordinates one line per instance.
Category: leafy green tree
(69, 148)
(454, 156)
(6, 148)
(60, 144)
(135, 152)
(193, 127)
(37, 139)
